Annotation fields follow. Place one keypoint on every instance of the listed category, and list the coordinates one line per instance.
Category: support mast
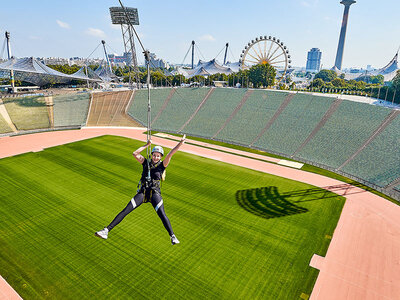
(192, 54)
(226, 52)
(105, 53)
(9, 57)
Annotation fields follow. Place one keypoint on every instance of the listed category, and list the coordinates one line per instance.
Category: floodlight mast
(147, 58)
(9, 57)
(126, 18)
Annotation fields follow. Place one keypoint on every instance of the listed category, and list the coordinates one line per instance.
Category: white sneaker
(103, 233)
(174, 240)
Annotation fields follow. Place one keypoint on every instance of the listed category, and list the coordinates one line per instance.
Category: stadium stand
(357, 140)
(236, 110)
(259, 108)
(343, 133)
(109, 109)
(378, 163)
(213, 114)
(70, 109)
(138, 107)
(4, 127)
(28, 113)
(181, 106)
(166, 102)
(294, 124)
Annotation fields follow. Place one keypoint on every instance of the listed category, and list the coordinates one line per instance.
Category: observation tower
(342, 37)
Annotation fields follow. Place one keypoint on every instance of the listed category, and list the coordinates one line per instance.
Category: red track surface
(363, 259)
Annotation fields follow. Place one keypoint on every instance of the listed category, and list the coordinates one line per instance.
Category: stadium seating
(294, 124)
(4, 128)
(379, 162)
(182, 105)
(344, 133)
(215, 111)
(332, 144)
(28, 113)
(138, 106)
(70, 109)
(252, 117)
(108, 109)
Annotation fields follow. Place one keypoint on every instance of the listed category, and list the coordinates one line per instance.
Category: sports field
(243, 233)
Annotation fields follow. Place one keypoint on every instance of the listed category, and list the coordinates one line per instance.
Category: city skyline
(60, 29)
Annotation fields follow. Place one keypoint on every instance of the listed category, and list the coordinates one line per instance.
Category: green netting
(28, 113)
(179, 109)
(295, 123)
(379, 162)
(138, 107)
(4, 128)
(344, 133)
(397, 187)
(215, 111)
(70, 109)
(252, 117)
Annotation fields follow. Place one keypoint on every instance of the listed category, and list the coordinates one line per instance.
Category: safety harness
(148, 185)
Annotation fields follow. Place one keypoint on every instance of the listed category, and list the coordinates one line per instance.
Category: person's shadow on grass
(267, 202)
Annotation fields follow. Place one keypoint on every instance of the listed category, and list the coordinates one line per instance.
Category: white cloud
(95, 32)
(309, 3)
(115, 26)
(34, 37)
(207, 37)
(63, 24)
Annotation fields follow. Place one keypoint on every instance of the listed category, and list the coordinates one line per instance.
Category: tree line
(258, 76)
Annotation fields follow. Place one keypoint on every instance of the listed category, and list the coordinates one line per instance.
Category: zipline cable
(147, 58)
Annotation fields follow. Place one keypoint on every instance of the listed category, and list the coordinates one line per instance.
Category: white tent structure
(205, 68)
(31, 70)
(388, 72)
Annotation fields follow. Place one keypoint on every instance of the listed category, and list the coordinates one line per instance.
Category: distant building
(120, 60)
(157, 62)
(55, 61)
(313, 60)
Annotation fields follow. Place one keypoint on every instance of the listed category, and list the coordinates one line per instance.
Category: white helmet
(158, 149)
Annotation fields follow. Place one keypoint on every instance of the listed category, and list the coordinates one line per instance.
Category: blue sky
(45, 28)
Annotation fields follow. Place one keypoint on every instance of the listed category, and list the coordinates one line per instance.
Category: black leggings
(137, 200)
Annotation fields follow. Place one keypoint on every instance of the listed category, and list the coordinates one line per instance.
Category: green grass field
(244, 234)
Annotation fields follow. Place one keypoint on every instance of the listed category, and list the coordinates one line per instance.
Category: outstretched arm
(137, 154)
(167, 158)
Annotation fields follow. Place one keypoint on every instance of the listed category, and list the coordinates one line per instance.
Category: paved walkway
(363, 259)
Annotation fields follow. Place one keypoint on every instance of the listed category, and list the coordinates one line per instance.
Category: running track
(363, 259)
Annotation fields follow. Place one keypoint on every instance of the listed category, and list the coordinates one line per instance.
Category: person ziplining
(149, 188)
(153, 169)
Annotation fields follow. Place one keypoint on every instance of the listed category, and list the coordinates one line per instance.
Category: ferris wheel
(263, 50)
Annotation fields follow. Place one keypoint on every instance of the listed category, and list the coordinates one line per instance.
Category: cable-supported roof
(31, 70)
